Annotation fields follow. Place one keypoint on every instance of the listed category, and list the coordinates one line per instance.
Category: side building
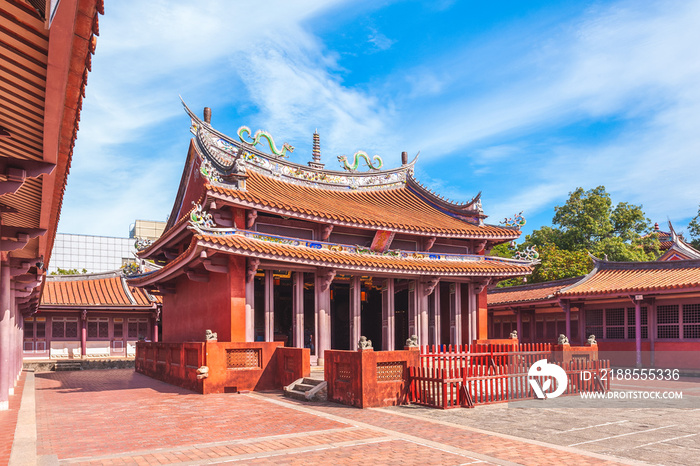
(90, 316)
(641, 313)
(258, 248)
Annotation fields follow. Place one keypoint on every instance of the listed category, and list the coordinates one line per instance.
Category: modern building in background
(97, 254)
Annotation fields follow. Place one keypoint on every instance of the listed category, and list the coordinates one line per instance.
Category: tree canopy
(589, 223)
(694, 230)
(61, 271)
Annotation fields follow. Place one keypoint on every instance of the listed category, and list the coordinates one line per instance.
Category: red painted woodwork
(352, 376)
(667, 355)
(482, 319)
(252, 366)
(217, 305)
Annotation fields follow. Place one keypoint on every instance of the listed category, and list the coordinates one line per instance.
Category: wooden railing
(451, 377)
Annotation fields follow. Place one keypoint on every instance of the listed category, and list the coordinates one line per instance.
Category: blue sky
(522, 100)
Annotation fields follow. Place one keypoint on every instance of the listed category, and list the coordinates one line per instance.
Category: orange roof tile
(93, 290)
(397, 209)
(528, 293)
(636, 277)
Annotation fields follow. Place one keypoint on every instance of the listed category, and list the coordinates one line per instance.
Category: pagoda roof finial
(316, 152)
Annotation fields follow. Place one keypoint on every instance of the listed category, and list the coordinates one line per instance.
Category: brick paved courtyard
(121, 417)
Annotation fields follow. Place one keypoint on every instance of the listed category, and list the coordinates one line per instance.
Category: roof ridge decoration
(516, 221)
(343, 159)
(530, 254)
(225, 162)
(264, 134)
(205, 230)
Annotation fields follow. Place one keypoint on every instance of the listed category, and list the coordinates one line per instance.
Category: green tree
(61, 271)
(589, 223)
(694, 230)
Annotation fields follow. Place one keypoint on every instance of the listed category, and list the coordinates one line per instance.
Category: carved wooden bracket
(428, 243)
(479, 246)
(326, 276)
(430, 284)
(251, 268)
(223, 217)
(84, 314)
(480, 286)
(250, 217)
(157, 314)
(197, 276)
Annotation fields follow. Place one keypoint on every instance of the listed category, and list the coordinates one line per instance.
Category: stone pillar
(250, 309)
(5, 304)
(638, 331)
(436, 317)
(269, 306)
(422, 301)
(83, 334)
(298, 310)
(355, 311)
(413, 320)
(455, 314)
(388, 321)
(323, 307)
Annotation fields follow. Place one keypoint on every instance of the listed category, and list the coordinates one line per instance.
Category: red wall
(217, 305)
(667, 355)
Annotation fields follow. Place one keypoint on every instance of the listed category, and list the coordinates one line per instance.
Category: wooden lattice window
(390, 371)
(691, 321)
(667, 321)
(98, 327)
(594, 322)
(631, 325)
(64, 327)
(243, 358)
(615, 323)
(344, 372)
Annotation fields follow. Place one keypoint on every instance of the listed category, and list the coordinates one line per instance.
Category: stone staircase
(68, 366)
(307, 389)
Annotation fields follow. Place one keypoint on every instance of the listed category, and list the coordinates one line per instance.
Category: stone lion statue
(514, 334)
(364, 343)
(563, 339)
(203, 372)
(591, 340)
(413, 341)
(209, 335)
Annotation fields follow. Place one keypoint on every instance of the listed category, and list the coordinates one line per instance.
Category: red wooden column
(437, 337)
(156, 319)
(298, 309)
(269, 306)
(566, 307)
(83, 334)
(355, 311)
(5, 304)
(519, 317)
(638, 330)
(388, 319)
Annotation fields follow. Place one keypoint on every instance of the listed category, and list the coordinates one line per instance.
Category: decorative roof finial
(404, 158)
(207, 115)
(316, 152)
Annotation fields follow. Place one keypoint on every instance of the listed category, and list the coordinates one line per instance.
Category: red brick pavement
(101, 412)
(121, 417)
(8, 423)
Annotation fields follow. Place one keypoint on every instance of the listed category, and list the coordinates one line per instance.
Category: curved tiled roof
(94, 290)
(636, 277)
(396, 209)
(528, 293)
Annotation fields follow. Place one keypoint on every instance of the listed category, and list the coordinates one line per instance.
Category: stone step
(296, 394)
(312, 382)
(68, 366)
(303, 387)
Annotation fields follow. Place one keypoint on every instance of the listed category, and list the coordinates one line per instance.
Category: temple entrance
(401, 317)
(259, 304)
(340, 316)
(309, 314)
(283, 307)
(371, 317)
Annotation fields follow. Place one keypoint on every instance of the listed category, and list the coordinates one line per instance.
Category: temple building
(258, 248)
(641, 313)
(90, 316)
(47, 49)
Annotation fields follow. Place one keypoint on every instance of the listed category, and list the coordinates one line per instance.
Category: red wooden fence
(451, 377)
